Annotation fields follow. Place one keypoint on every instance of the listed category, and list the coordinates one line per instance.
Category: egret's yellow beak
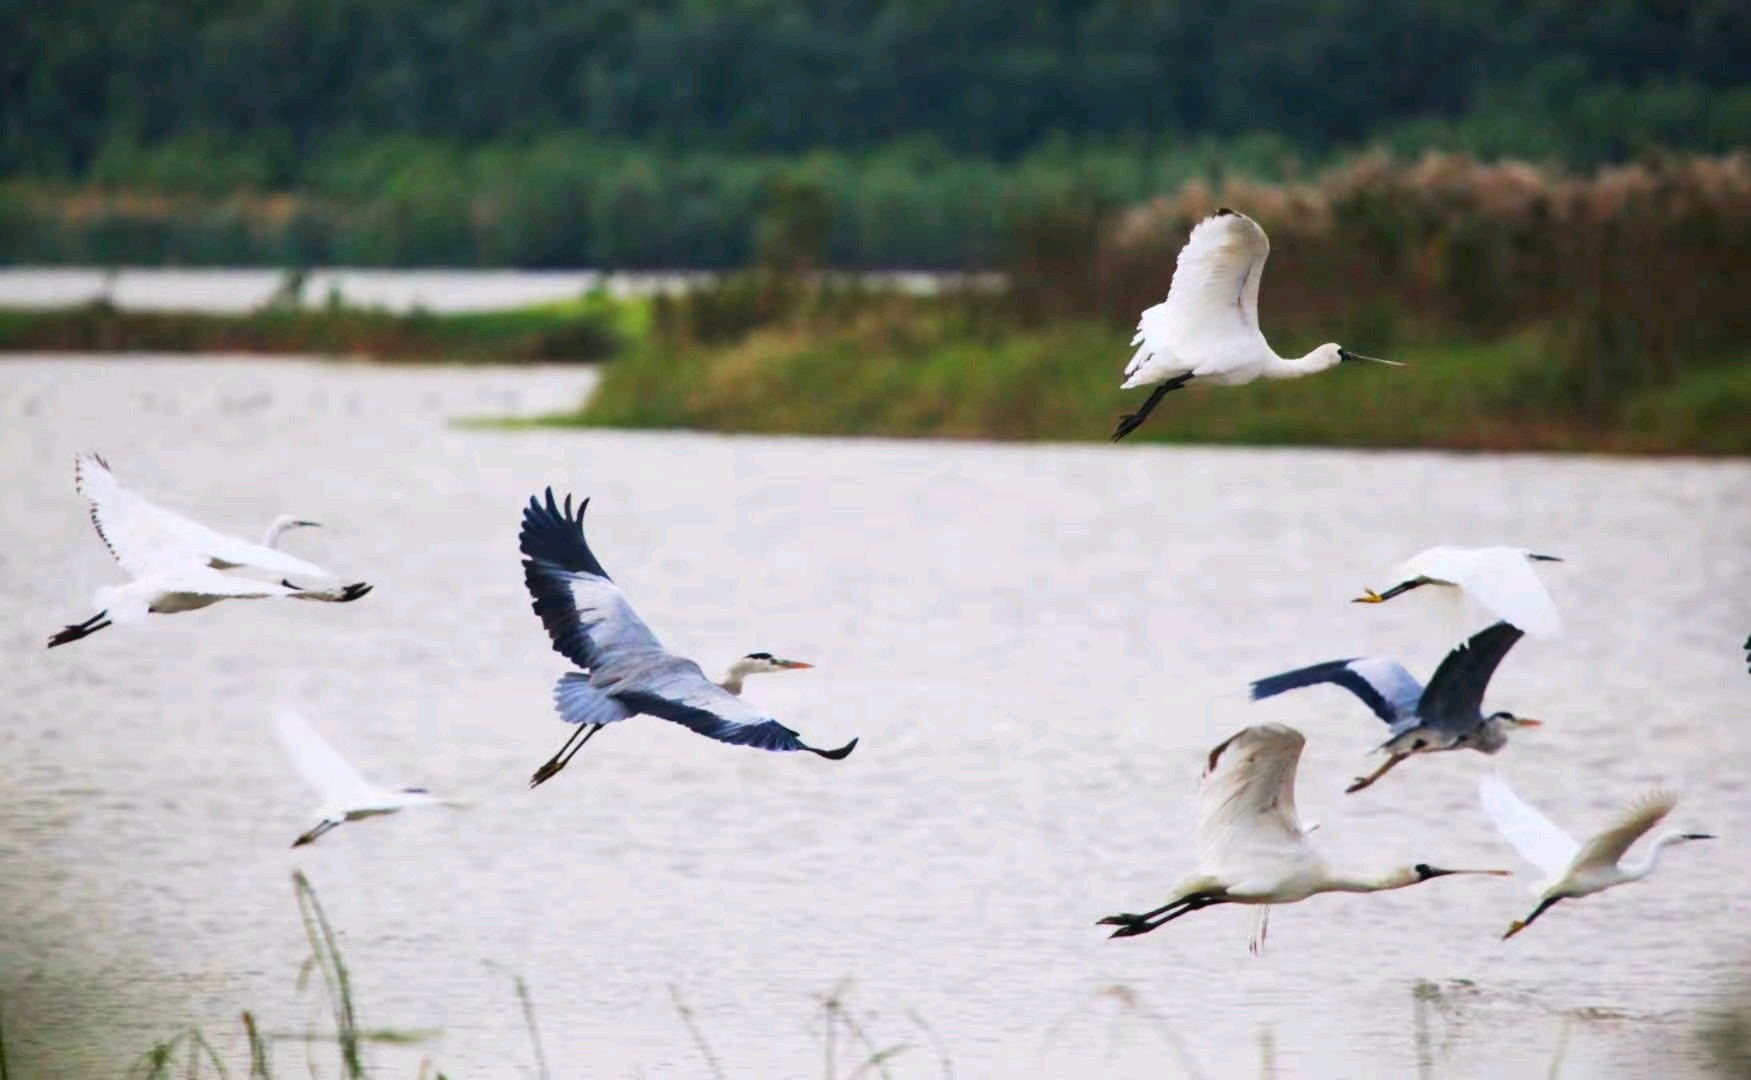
(1369, 596)
(1513, 928)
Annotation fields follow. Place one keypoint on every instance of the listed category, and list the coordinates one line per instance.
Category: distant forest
(284, 81)
(651, 132)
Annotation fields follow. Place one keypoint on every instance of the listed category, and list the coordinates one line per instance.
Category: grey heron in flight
(1572, 869)
(625, 669)
(1445, 715)
(1252, 847)
(178, 564)
(1208, 327)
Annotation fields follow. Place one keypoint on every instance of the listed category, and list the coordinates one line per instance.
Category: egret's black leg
(560, 760)
(310, 837)
(1132, 421)
(76, 631)
(1521, 924)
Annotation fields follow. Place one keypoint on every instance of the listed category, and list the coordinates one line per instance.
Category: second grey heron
(1445, 715)
(625, 669)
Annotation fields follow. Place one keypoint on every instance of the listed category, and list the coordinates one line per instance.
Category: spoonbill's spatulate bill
(1498, 579)
(625, 670)
(1446, 715)
(178, 564)
(346, 796)
(1252, 848)
(1572, 869)
(1207, 330)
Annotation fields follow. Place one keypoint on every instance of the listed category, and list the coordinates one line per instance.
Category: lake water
(1037, 646)
(231, 290)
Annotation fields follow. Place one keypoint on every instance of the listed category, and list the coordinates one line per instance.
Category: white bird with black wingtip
(1207, 330)
(178, 564)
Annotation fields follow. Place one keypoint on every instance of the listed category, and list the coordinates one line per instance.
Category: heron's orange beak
(793, 665)
(1527, 721)
(1369, 596)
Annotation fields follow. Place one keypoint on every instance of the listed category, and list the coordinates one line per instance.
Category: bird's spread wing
(1246, 804)
(1538, 840)
(1498, 578)
(586, 615)
(1214, 301)
(144, 537)
(198, 579)
(1643, 814)
(680, 691)
(1455, 694)
(337, 782)
(1383, 685)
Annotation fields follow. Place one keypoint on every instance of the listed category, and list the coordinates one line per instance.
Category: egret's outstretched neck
(1637, 871)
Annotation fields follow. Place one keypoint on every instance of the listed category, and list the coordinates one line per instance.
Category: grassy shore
(899, 371)
(589, 328)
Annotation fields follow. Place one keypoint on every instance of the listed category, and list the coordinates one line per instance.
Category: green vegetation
(621, 134)
(591, 328)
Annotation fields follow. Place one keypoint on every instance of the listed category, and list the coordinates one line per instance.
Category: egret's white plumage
(1252, 847)
(1572, 869)
(1208, 327)
(1497, 579)
(176, 563)
(345, 794)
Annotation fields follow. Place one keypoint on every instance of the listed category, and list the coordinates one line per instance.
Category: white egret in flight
(176, 563)
(346, 796)
(625, 669)
(1445, 715)
(1208, 327)
(1573, 869)
(1498, 579)
(1252, 848)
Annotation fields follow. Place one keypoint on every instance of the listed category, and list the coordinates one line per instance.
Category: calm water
(236, 290)
(1036, 644)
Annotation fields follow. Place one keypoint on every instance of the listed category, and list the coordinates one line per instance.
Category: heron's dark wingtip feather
(834, 755)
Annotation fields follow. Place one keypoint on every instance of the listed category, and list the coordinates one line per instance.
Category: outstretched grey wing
(1383, 685)
(586, 615)
(1454, 700)
(680, 692)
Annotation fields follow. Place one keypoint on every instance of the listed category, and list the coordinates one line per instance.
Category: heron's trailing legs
(560, 760)
(1132, 421)
(74, 632)
(1133, 925)
(1364, 781)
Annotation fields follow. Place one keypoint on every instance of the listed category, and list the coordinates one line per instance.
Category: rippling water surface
(1037, 645)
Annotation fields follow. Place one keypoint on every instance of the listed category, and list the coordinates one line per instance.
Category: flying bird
(1445, 715)
(1208, 327)
(1572, 869)
(178, 564)
(1499, 579)
(346, 796)
(1252, 848)
(625, 670)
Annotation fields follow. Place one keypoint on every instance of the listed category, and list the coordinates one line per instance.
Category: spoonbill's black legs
(1132, 421)
(1132, 925)
(75, 632)
(1364, 781)
(563, 758)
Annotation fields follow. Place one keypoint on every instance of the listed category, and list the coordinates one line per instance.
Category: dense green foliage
(274, 89)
